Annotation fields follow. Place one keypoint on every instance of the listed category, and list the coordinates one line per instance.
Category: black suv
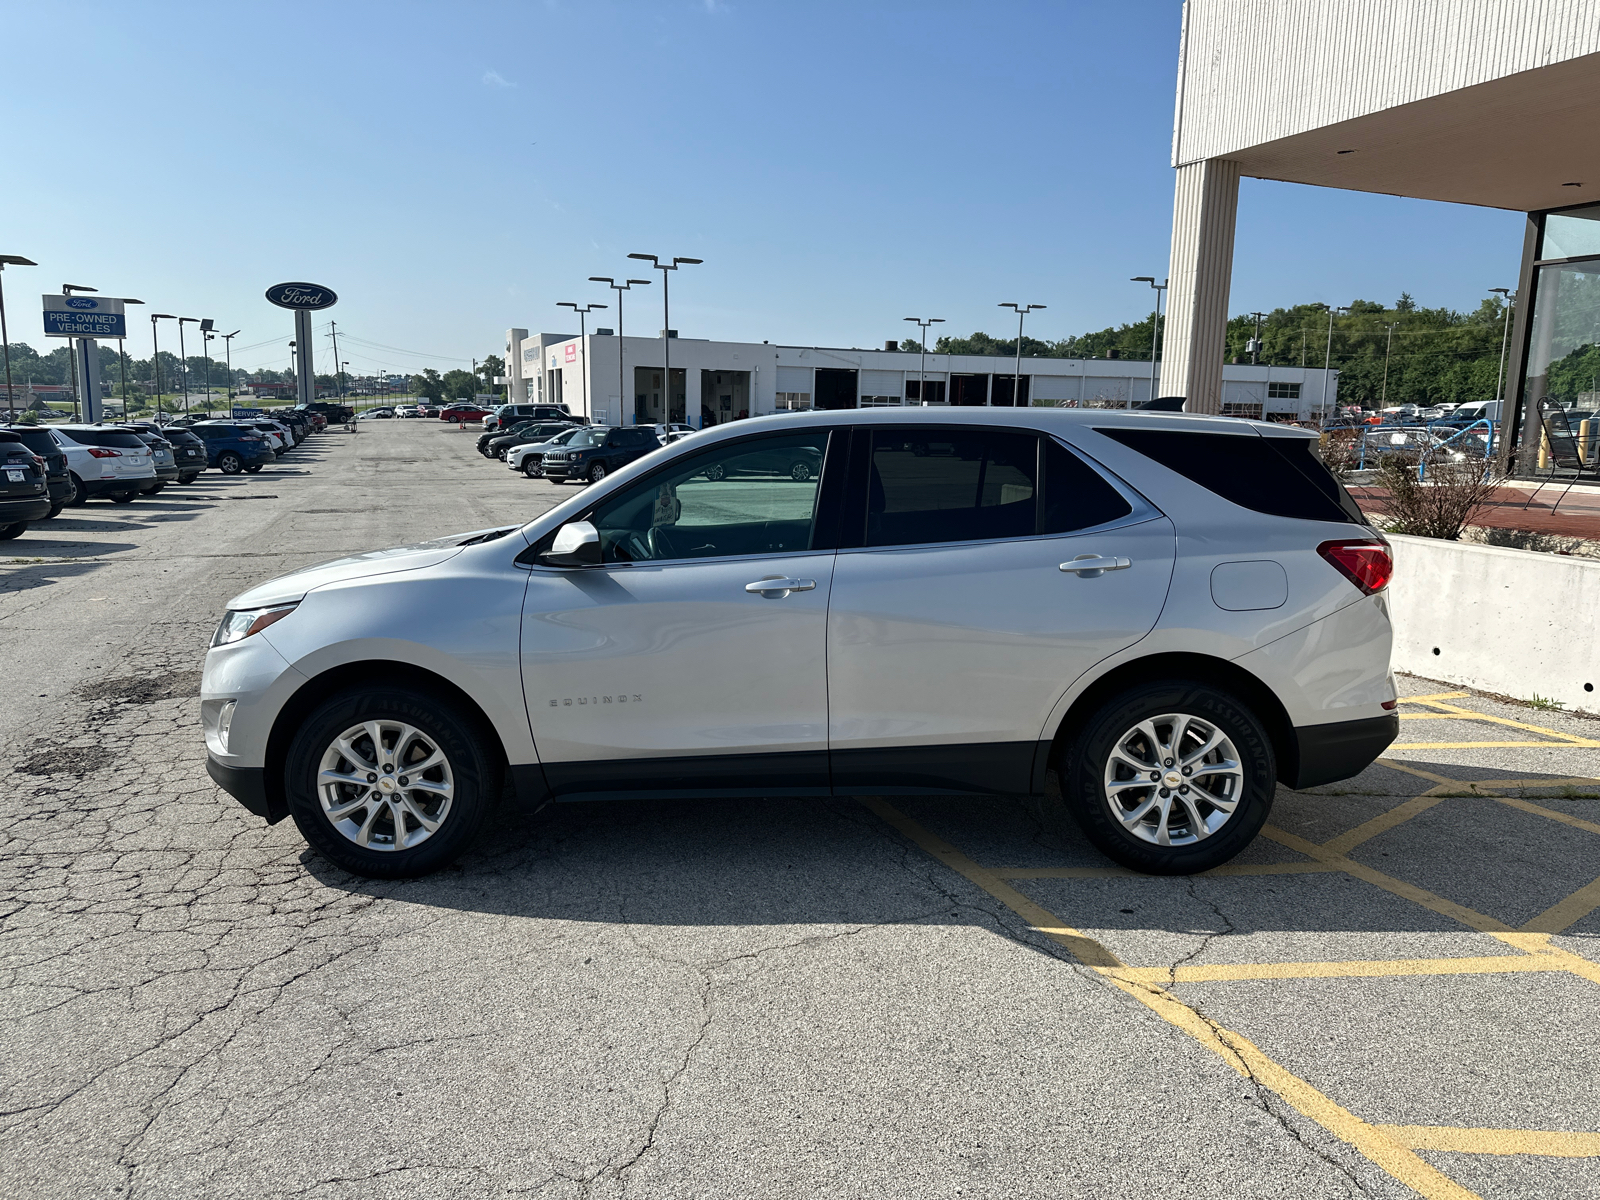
(24, 495)
(520, 434)
(337, 414)
(598, 451)
(57, 474)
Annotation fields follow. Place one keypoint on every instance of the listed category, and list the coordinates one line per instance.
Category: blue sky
(453, 169)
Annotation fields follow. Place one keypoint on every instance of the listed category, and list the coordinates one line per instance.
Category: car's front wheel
(530, 468)
(597, 472)
(1170, 778)
(389, 783)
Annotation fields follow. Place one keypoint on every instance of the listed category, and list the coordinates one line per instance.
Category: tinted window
(115, 439)
(755, 497)
(37, 440)
(1075, 496)
(950, 486)
(1281, 477)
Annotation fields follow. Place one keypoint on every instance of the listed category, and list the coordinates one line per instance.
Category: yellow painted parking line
(1549, 1143)
(1496, 964)
(1237, 1051)
(1494, 745)
(1566, 913)
(1288, 868)
(1417, 771)
(1435, 696)
(1490, 719)
(1540, 810)
(1384, 822)
(1432, 717)
(1082, 947)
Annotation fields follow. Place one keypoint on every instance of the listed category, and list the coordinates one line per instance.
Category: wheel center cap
(1172, 779)
(387, 784)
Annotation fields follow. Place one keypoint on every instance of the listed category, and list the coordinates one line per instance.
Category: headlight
(236, 626)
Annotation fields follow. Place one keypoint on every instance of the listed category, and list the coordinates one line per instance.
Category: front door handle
(776, 587)
(1090, 566)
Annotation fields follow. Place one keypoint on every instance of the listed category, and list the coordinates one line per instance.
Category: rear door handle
(776, 587)
(1088, 566)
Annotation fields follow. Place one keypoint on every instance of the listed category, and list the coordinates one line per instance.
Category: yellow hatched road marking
(1547, 1142)
(1487, 718)
(1434, 696)
(1493, 745)
(1382, 823)
(1288, 868)
(1417, 771)
(1357, 969)
(1565, 913)
(1237, 1051)
(1540, 810)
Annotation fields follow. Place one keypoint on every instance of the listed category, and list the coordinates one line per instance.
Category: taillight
(102, 452)
(1365, 562)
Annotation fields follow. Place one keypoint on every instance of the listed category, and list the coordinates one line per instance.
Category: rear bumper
(247, 785)
(106, 487)
(32, 508)
(60, 488)
(1328, 753)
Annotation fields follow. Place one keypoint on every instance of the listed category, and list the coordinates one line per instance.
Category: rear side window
(112, 439)
(1281, 477)
(955, 486)
(1075, 496)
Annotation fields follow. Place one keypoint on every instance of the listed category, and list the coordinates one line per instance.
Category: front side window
(752, 497)
(955, 486)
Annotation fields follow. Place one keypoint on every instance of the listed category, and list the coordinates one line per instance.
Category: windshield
(587, 437)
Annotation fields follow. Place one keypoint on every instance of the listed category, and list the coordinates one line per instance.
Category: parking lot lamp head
(1022, 310)
(619, 288)
(666, 323)
(583, 349)
(922, 346)
(9, 260)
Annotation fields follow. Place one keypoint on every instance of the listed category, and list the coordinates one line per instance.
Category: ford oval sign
(301, 295)
(81, 302)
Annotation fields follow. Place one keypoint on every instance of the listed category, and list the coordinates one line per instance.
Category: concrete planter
(1517, 622)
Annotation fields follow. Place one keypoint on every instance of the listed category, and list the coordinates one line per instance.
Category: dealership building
(620, 380)
(1487, 102)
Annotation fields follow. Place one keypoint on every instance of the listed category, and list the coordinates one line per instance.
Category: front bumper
(248, 785)
(1328, 753)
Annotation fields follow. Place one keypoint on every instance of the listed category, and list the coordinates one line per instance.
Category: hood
(291, 588)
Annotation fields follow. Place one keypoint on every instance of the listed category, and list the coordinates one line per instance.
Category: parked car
(799, 464)
(529, 457)
(333, 414)
(161, 457)
(278, 436)
(463, 412)
(406, 410)
(427, 408)
(505, 414)
(599, 451)
(377, 414)
(57, 475)
(104, 461)
(673, 432)
(24, 490)
(1147, 621)
(190, 451)
(234, 446)
(532, 431)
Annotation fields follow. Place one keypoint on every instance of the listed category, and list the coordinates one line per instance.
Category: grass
(1544, 702)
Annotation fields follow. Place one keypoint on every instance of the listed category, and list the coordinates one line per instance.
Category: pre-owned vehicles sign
(84, 316)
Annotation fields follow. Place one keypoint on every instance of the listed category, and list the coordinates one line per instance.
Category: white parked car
(105, 461)
(529, 458)
(1148, 619)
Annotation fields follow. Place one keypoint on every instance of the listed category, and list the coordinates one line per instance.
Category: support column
(1205, 205)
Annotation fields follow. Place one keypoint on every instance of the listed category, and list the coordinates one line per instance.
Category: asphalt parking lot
(1391, 993)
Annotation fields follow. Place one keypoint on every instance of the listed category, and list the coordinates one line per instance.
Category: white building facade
(615, 380)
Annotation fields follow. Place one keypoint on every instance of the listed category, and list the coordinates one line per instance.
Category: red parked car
(463, 412)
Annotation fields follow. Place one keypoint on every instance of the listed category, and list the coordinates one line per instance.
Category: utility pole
(1016, 379)
(9, 260)
(922, 370)
(333, 328)
(227, 345)
(1255, 342)
(1387, 346)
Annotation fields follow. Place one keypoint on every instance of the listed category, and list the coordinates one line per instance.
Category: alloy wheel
(1173, 780)
(385, 785)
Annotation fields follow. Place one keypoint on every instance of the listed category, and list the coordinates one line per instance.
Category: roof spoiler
(1162, 404)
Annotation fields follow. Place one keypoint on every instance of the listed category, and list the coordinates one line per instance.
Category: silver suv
(1148, 620)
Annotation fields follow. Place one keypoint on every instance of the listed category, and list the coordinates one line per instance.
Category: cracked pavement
(724, 998)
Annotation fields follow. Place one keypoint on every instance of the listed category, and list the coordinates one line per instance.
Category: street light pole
(666, 328)
(1327, 361)
(1155, 324)
(922, 367)
(155, 341)
(183, 354)
(1016, 379)
(205, 350)
(122, 359)
(1388, 345)
(227, 346)
(9, 260)
(583, 350)
(622, 378)
(1505, 329)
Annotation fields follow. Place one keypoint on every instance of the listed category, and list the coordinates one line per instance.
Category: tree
(428, 385)
(492, 368)
(460, 385)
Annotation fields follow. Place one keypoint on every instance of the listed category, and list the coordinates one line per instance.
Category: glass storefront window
(1571, 234)
(1564, 342)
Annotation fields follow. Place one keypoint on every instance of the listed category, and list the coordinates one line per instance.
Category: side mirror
(577, 544)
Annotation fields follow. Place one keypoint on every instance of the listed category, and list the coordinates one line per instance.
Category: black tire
(80, 494)
(597, 472)
(125, 497)
(473, 759)
(188, 479)
(715, 472)
(530, 468)
(1082, 791)
(254, 470)
(14, 530)
(800, 472)
(229, 463)
(152, 489)
(55, 510)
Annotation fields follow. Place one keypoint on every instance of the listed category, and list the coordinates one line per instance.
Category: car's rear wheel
(1169, 778)
(800, 472)
(127, 497)
(389, 783)
(14, 530)
(55, 510)
(229, 463)
(80, 494)
(254, 468)
(715, 472)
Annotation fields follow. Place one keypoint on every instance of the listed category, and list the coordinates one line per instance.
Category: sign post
(82, 319)
(304, 299)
